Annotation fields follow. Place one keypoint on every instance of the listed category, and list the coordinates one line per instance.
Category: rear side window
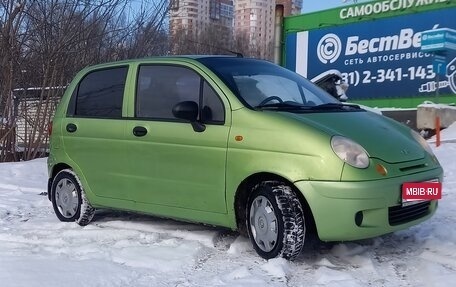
(100, 93)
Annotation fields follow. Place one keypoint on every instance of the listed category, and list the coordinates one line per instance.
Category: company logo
(329, 48)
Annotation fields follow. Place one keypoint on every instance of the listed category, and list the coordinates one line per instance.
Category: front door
(171, 164)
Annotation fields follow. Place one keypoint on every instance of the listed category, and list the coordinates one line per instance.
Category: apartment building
(250, 20)
(255, 18)
(196, 16)
(291, 7)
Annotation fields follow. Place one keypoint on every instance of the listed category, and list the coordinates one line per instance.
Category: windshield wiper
(282, 106)
(335, 106)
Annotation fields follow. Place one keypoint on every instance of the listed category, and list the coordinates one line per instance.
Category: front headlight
(422, 142)
(350, 152)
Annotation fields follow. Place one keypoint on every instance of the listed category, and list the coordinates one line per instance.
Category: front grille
(413, 167)
(403, 214)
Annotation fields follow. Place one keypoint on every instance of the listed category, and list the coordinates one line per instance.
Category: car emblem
(405, 152)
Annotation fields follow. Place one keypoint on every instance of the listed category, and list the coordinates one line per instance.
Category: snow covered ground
(121, 249)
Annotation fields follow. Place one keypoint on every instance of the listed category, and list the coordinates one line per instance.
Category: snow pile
(123, 249)
(277, 267)
(240, 245)
(448, 134)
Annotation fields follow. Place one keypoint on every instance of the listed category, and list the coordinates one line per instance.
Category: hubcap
(66, 198)
(263, 223)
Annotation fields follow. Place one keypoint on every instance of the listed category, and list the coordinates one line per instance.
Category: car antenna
(238, 55)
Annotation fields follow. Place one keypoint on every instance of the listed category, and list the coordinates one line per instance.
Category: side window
(160, 88)
(100, 93)
(213, 110)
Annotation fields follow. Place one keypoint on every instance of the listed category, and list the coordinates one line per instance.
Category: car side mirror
(188, 110)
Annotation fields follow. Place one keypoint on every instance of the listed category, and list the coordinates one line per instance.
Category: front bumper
(364, 209)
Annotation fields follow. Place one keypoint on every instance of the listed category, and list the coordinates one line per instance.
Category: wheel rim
(66, 198)
(263, 223)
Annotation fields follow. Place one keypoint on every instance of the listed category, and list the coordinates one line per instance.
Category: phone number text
(356, 78)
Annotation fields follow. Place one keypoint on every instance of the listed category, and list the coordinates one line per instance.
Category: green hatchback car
(233, 142)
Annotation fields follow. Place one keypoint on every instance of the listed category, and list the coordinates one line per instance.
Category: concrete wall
(426, 114)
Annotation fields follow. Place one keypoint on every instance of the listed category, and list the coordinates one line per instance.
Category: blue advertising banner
(438, 40)
(378, 58)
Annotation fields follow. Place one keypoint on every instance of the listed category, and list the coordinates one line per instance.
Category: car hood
(381, 137)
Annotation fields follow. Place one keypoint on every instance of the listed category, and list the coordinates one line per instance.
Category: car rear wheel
(275, 221)
(69, 200)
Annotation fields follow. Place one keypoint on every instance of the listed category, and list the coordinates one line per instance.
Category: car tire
(275, 221)
(69, 200)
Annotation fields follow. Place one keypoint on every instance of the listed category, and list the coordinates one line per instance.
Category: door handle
(139, 131)
(71, 128)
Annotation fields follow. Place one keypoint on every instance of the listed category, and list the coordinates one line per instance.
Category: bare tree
(250, 47)
(218, 39)
(147, 35)
(209, 40)
(43, 45)
(11, 17)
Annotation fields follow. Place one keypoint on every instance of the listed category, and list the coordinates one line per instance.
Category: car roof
(171, 57)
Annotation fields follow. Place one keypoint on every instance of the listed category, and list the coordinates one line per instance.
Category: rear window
(100, 93)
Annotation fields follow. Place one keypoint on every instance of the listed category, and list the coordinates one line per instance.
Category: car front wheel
(69, 200)
(275, 221)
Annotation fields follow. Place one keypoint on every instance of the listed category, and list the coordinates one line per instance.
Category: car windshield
(263, 85)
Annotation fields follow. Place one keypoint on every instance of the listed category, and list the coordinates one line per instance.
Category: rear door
(94, 131)
(170, 163)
